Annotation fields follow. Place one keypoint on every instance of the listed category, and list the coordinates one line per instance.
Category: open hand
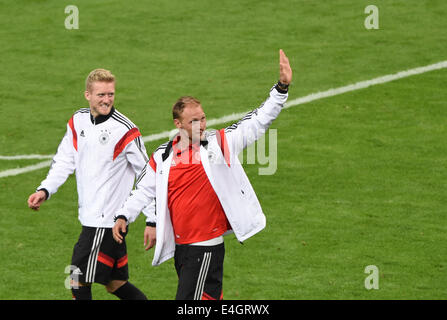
(149, 237)
(285, 71)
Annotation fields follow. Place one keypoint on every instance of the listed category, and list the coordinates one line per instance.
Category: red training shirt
(196, 212)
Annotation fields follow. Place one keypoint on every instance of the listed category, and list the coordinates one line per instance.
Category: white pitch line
(365, 84)
(27, 156)
(237, 116)
(14, 172)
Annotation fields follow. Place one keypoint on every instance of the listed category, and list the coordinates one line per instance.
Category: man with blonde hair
(106, 151)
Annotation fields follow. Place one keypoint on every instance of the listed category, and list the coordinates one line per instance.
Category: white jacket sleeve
(137, 157)
(141, 197)
(150, 213)
(62, 166)
(254, 124)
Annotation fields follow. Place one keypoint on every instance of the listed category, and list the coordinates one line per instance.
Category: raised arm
(255, 123)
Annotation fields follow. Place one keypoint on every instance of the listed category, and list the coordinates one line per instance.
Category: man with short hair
(106, 150)
(202, 191)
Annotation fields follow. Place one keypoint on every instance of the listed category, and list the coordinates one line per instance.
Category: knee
(114, 285)
(81, 291)
(76, 284)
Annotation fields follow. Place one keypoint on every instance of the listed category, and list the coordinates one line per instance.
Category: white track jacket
(225, 173)
(107, 154)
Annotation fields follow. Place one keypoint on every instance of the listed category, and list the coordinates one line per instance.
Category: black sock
(129, 292)
(82, 293)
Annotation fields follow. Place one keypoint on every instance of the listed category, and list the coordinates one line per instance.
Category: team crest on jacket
(104, 136)
(212, 156)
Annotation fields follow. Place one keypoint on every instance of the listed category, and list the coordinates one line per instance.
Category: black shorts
(97, 257)
(200, 272)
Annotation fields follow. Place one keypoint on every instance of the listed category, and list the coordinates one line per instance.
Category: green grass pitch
(360, 177)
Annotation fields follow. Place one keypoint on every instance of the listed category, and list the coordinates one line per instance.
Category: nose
(107, 100)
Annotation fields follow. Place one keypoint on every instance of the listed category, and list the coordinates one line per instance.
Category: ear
(87, 95)
(177, 123)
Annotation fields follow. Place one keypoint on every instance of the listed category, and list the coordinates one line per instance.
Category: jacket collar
(168, 149)
(100, 119)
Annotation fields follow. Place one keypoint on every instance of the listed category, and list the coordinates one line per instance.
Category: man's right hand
(119, 229)
(150, 236)
(285, 71)
(36, 199)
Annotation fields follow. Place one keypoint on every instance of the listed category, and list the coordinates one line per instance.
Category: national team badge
(104, 136)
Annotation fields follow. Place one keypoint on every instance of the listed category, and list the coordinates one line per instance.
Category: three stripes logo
(93, 257)
(202, 275)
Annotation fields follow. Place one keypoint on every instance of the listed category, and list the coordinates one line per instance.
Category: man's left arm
(136, 155)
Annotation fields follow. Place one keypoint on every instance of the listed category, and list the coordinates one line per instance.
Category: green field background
(360, 177)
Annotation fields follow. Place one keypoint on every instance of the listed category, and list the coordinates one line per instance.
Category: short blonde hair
(98, 75)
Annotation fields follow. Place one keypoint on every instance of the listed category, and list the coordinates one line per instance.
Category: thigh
(200, 272)
(186, 272)
(211, 287)
(98, 257)
(85, 253)
(112, 260)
